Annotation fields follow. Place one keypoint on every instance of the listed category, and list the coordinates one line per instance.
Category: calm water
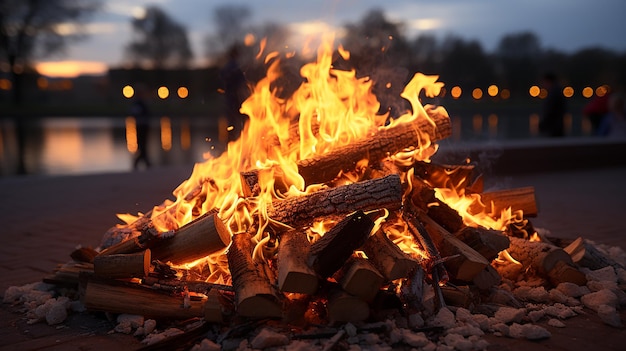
(61, 146)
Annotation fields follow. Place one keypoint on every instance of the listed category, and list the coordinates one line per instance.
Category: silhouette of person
(235, 92)
(139, 110)
(554, 108)
(614, 122)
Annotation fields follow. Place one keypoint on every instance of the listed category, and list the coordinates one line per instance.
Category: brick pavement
(44, 218)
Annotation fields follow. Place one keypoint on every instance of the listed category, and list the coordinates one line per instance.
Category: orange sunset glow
(70, 69)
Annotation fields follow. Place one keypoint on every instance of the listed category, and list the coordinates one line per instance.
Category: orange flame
(329, 109)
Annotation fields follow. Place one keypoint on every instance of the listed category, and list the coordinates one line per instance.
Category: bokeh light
(477, 93)
(588, 92)
(534, 91)
(505, 94)
(456, 92)
(568, 92)
(493, 90)
(183, 92)
(163, 92)
(128, 91)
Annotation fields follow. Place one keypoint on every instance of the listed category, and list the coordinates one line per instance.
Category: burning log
(423, 197)
(254, 294)
(464, 262)
(387, 257)
(294, 274)
(549, 260)
(487, 242)
(585, 254)
(117, 297)
(366, 195)
(360, 278)
(123, 265)
(517, 199)
(444, 176)
(332, 250)
(389, 141)
(197, 239)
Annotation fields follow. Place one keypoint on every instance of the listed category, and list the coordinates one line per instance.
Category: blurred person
(595, 111)
(139, 110)
(554, 108)
(235, 89)
(613, 124)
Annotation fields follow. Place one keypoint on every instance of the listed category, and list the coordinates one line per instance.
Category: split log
(487, 242)
(585, 254)
(294, 274)
(386, 141)
(215, 307)
(134, 265)
(546, 259)
(517, 199)
(254, 294)
(360, 278)
(67, 274)
(343, 307)
(84, 254)
(199, 238)
(366, 195)
(460, 296)
(331, 251)
(387, 257)
(116, 297)
(464, 263)
(423, 197)
(412, 290)
(444, 176)
(487, 279)
(250, 183)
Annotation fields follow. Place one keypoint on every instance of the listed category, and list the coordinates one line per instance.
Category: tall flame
(330, 108)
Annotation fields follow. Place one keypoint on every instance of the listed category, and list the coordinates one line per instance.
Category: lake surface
(74, 145)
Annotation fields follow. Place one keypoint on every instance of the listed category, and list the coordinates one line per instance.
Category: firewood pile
(371, 255)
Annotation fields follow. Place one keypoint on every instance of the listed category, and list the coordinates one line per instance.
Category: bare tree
(38, 28)
(230, 22)
(159, 41)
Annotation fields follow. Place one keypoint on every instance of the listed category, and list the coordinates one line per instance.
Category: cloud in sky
(566, 25)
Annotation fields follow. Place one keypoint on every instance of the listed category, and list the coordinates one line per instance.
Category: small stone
(268, 338)
(414, 339)
(206, 345)
(528, 331)
(444, 318)
(149, 325)
(458, 342)
(56, 314)
(350, 329)
(135, 321)
(557, 296)
(536, 316)
(609, 315)
(466, 330)
(415, 320)
(510, 314)
(606, 273)
(572, 290)
(602, 297)
(556, 323)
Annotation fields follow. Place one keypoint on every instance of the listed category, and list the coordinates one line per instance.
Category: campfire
(328, 212)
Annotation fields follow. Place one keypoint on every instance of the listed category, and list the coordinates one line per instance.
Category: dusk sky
(566, 25)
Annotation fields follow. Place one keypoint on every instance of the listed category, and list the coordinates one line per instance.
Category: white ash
(603, 274)
(126, 323)
(444, 318)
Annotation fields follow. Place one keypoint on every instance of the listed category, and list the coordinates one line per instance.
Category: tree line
(379, 47)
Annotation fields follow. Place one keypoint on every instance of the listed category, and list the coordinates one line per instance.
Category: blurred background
(91, 86)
